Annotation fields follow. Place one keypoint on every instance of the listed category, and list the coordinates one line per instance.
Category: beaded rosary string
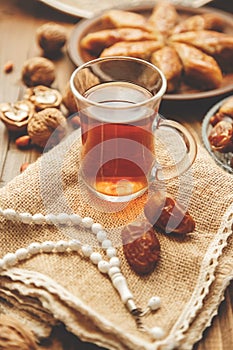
(111, 267)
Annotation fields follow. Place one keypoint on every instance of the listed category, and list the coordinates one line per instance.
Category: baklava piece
(218, 45)
(207, 21)
(122, 19)
(139, 49)
(97, 41)
(167, 60)
(201, 70)
(163, 18)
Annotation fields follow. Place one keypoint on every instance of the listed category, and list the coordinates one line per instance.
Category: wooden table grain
(18, 22)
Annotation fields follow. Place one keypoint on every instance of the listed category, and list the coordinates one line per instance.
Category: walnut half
(15, 115)
(43, 97)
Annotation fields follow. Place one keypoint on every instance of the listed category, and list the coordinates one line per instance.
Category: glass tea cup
(118, 101)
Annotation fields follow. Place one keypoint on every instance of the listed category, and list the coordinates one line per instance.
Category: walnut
(141, 247)
(47, 127)
(51, 37)
(43, 97)
(15, 115)
(69, 99)
(14, 336)
(82, 82)
(38, 71)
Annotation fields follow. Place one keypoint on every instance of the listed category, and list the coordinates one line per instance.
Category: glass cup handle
(168, 172)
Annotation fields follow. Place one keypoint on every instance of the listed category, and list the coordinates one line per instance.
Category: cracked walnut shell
(43, 97)
(15, 115)
(51, 37)
(47, 127)
(38, 71)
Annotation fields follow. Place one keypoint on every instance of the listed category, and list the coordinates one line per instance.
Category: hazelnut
(47, 127)
(38, 71)
(141, 247)
(51, 37)
(14, 336)
(23, 142)
(168, 215)
(8, 67)
(43, 97)
(16, 115)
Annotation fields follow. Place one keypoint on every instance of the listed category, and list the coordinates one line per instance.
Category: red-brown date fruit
(141, 247)
(218, 117)
(168, 215)
(227, 107)
(221, 136)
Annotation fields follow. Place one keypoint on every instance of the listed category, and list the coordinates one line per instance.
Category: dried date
(218, 117)
(227, 108)
(168, 215)
(221, 137)
(141, 247)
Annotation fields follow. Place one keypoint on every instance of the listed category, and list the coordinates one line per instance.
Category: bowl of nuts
(217, 133)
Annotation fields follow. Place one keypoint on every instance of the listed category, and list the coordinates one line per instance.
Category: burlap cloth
(190, 278)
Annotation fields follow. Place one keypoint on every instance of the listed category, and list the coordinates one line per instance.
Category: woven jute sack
(190, 277)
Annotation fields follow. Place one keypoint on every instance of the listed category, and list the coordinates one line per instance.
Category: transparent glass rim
(154, 98)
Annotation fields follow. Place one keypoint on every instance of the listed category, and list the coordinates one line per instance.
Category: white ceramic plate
(87, 8)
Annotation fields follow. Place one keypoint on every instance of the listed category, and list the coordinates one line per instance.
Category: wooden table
(18, 23)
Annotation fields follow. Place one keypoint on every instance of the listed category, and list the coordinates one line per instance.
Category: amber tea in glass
(118, 100)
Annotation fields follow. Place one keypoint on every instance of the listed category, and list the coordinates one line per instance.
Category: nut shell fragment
(141, 247)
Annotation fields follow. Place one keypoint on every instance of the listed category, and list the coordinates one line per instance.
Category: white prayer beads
(111, 267)
(156, 333)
